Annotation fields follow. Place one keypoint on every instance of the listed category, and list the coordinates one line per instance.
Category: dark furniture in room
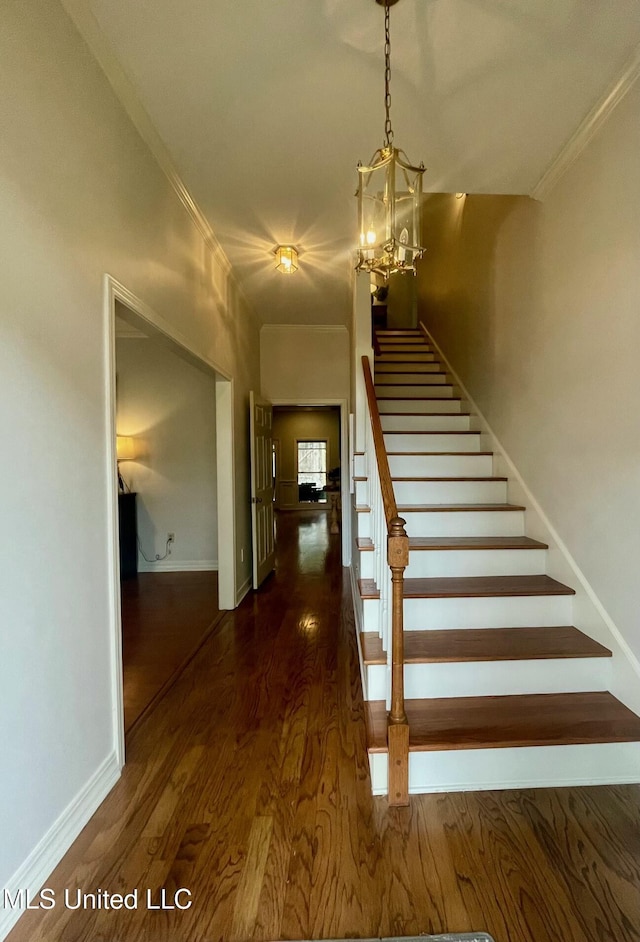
(128, 531)
(309, 492)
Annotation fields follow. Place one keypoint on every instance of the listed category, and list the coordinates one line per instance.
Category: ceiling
(265, 107)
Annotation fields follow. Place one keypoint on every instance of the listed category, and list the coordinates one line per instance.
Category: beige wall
(292, 426)
(537, 306)
(301, 363)
(80, 196)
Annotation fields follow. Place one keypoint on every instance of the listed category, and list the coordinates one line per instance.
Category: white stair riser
(494, 612)
(364, 526)
(502, 562)
(543, 611)
(415, 392)
(395, 361)
(389, 380)
(434, 466)
(465, 523)
(450, 492)
(406, 381)
(524, 767)
(360, 466)
(420, 406)
(420, 356)
(425, 423)
(362, 493)
(405, 346)
(397, 441)
(367, 564)
(371, 615)
(494, 678)
(428, 373)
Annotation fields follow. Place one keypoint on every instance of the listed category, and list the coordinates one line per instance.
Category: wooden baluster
(398, 726)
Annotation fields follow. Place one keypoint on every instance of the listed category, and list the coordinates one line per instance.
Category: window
(312, 471)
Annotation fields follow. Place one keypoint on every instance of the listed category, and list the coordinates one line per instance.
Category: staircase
(501, 689)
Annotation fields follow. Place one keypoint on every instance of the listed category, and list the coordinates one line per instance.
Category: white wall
(536, 306)
(80, 195)
(169, 407)
(298, 363)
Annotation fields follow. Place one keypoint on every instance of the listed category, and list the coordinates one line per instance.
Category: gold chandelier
(389, 196)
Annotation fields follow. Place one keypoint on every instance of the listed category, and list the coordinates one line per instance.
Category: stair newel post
(398, 725)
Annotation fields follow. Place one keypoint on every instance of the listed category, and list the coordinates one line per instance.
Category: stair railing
(388, 527)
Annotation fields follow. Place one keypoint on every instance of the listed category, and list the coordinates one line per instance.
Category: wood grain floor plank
(249, 784)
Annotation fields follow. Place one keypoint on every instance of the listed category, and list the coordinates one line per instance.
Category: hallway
(248, 785)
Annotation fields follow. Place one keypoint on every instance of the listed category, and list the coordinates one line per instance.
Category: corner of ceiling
(589, 126)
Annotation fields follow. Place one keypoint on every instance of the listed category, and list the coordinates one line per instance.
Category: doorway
(311, 463)
(171, 411)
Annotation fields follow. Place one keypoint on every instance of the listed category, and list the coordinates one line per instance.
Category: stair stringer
(589, 612)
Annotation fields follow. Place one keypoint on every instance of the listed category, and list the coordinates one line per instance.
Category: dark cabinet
(128, 529)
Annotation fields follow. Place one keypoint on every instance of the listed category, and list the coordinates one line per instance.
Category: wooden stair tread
(365, 544)
(472, 587)
(368, 589)
(412, 383)
(372, 650)
(428, 415)
(362, 509)
(548, 719)
(444, 431)
(453, 508)
(486, 644)
(474, 543)
(499, 644)
(463, 587)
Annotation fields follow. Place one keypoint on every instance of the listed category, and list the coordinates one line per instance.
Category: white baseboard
(243, 590)
(178, 565)
(626, 687)
(56, 842)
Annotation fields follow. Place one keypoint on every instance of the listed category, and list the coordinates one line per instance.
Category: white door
(262, 533)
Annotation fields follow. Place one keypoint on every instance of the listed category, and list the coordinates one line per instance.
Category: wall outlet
(171, 537)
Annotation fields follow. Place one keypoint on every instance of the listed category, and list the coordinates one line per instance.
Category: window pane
(312, 468)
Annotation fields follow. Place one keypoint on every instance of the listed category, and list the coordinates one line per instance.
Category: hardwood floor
(248, 784)
(165, 617)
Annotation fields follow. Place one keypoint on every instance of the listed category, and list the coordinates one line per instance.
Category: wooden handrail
(386, 485)
(398, 560)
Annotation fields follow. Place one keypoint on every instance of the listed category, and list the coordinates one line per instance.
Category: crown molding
(588, 128)
(93, 35)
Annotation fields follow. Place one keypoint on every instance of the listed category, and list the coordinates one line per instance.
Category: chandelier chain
(388, 131)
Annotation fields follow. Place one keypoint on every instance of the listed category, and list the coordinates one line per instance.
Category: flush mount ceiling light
(286, 259)
(389, 196)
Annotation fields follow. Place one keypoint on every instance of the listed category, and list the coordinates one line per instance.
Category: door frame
(142, 316)
(345, 477)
